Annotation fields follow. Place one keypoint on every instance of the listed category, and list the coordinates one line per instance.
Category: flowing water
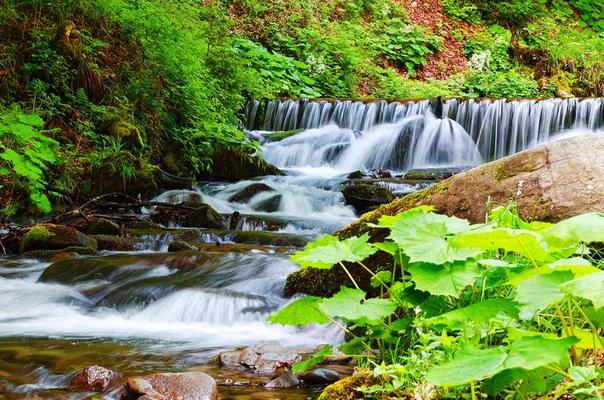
(143, 312)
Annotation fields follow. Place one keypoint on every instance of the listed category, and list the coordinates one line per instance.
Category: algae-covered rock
(50, 237)
(199, 216)
(366, 197)
(346, 389)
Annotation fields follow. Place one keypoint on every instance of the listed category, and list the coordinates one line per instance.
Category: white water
(227, 311)
(346, 136)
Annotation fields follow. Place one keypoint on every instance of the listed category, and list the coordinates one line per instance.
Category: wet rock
(321, 376)
(373, 174)
(269, 205)
(180, 245)
(92, 379)
(115, 243)
(143, 224)
(366, 197)
(199, 216)
(172, 386)
(285, 381)
(167, 181)
(250, 191)
(356, 175)
(265, 358)
(433, 174)
(57, 237)
(102, 226)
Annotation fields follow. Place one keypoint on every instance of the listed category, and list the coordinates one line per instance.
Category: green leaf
(589, 287)
(541, 292)
(328, 251)
(347, 304)
(531, 352)
(582, 228)
(447, 280)
(480, 313)
(301, 312)
(40, 201)
(468, 365)
(378, 278)
(521, 241)
(315, 359)
(423, 237)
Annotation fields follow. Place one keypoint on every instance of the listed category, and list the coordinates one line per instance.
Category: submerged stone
(92, 379)
(172, 386)
(250, 191)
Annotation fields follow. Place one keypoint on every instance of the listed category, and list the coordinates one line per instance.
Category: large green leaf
(528, 243)
(348, 304)
(300, 312)
(582, 228)
(328, 251)
(423, 237)
(447, 280)
(590, 287)
(468, 365)
(530, 352)
(315, 359)
(478, 313)
(541, 292)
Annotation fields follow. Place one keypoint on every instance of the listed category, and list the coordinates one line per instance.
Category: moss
(500, 174)
(35, 235)
(278, 136)
(346, 389)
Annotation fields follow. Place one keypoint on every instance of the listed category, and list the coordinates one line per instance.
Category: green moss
(36, 234)
(500, 173)
(278, 136)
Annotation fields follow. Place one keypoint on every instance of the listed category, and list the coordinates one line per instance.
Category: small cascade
(350, 135)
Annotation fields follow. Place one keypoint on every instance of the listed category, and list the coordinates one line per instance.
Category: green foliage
(504, 306)
(591, 12)
(26, 153)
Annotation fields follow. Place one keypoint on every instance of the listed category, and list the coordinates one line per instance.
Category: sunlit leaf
(328, 251)
(347, 304)
(478, 313)
(589, 287)
(301, 312)
(315, 359)
(540, 292)
(468, 365)
(447, 280)
(582, 228)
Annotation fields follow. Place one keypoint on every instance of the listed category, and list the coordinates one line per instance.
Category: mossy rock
(125, 132)
(233, 165)
(50, 237)
(244, 195)
(346, 389)
(278, 136)
(116, 243)
(200, 216)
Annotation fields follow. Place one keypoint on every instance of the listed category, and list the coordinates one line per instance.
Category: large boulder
(172, 386)
(197, 216)
(234, 165)
(50, 237)
(244, 195)
(549, 183)
(366, 197)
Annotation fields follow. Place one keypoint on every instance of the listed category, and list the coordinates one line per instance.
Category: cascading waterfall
(351, 135)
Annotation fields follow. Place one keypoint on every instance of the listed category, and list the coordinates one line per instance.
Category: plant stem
(349, 275)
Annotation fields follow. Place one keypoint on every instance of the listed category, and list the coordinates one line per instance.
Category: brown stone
(172, 386)
(92, 379)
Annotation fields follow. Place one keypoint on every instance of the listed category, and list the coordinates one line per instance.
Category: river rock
(102, 226)
(57, 237)
(549, 183)
(197, 216)
(180, 245)
(172, 386)
(234, 165)
(250, 191)
(115, 243)
(433, 174)
(284, 381)
(92, 379)
(264, 358)
(366, 197)
(321, 376)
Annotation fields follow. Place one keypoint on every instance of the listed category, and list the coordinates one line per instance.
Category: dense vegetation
(124, 87)
(506, 309)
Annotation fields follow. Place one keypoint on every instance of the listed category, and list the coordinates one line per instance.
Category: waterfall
(347, 135)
